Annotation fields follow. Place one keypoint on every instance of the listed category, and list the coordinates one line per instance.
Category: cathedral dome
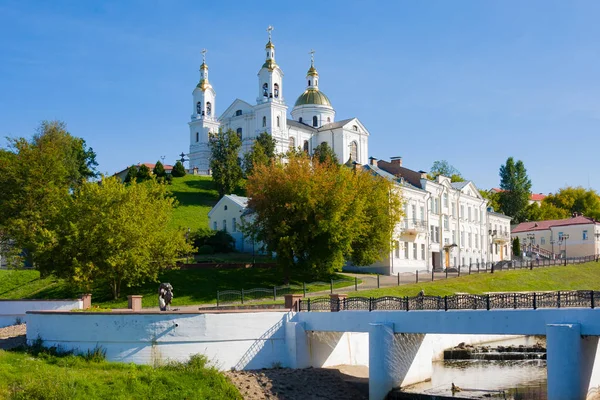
(313, 96)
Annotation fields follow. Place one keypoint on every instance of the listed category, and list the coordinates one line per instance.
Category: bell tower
(203, 120)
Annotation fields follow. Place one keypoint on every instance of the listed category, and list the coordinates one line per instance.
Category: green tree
(324, 153)
(516, 187)
(37, 178)
(516, 247)
(178, 170)
(159, 170)
(143, 174)
(492, 198)
(317, 216)
(444, 168)
(131, 174)
(262, 153)
(575, 200)
(117, 234)
(224, 161)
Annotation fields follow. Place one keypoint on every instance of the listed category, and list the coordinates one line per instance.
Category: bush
(206, 249)
(178, 170)
(218, 241)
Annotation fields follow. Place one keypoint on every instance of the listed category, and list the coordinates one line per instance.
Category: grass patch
(572, 277)
(47, 376)
(196, 196)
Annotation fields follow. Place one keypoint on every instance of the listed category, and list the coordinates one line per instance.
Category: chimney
(396, 161)
(372, 161)
(423, 174)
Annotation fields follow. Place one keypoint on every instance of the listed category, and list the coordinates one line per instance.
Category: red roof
(545, 225)
(533, 197)
(151, 166)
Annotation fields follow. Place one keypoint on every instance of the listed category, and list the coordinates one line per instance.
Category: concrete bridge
(399, 342)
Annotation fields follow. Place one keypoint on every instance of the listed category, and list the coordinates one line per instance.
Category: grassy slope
(48, 377)
(572, 277)
(196, 196)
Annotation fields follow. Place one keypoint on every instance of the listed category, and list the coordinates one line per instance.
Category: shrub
(206, 249)
(219, 241)
(178, 170)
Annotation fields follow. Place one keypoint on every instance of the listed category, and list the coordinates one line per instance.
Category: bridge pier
(297, 345)
(570, 360)
(381, 376)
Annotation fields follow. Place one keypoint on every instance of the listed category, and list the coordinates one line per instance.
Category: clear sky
(472, 82)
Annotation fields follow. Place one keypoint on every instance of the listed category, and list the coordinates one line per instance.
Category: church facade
(312, 119)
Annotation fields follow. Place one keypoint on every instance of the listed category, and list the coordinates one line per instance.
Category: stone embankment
(498, 353)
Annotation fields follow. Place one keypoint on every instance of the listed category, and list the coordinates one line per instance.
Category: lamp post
(531, 238)
(492, 233)
(597, 234)
(565, 237)
(552, 243)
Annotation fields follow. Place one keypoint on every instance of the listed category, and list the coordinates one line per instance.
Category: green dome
(313, 96)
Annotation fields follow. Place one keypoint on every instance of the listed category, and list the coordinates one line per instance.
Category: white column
(381, 345)
(569, 361)
(297, 345)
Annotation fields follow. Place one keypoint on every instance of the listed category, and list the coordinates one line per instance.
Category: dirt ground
(302, 384)
(12, 336)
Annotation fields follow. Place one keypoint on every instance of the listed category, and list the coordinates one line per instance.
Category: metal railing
(493, 301)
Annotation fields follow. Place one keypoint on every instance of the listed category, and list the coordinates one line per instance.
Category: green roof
(313, 96)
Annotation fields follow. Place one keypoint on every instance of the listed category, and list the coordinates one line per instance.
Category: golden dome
(313, 96)
(270, 64)
(204, 66)
(270, 45)
(202, 85)
(312, 71)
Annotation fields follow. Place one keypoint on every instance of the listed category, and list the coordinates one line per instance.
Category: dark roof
(459, 185)
(301, 125)
(410, 176)
(545, 225)
(334, 125)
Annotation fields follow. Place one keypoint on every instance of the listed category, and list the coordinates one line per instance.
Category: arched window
(266, 90)
(315, 82)
(198, 108)
(354, 151)
(238, 113)
(355, 127)
(309, 82)
(276, 90)
(292, 143)
(197, 137)
(328, 120)
(239, 132)
(315, 121)
(208, 108)
(305, 147)
(264, 122)
(300, 119)
(278, 121)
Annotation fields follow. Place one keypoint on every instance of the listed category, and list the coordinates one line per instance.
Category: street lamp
(552, 243)
(565, 237)
(492, 233)
(531, 238)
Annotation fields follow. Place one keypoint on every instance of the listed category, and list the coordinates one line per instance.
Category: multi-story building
(573, 237)
(445, 225)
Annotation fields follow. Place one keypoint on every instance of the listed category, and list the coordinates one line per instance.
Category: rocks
(12, 336)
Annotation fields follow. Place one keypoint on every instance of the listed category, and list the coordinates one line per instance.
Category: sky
(470, 82)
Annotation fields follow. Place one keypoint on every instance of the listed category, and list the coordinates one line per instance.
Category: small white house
(227, 216)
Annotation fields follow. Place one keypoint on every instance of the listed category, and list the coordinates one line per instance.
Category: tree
(317, 216)
(159, 170)
(178, 170)
(117, 234)
(492, 198)
(224, 161)
(324, 153)
(516, 187)
(444, 168)
(131, 174)
(516, 247)
(573, 200)
(143, 174)
(262, 152)
(37, 178)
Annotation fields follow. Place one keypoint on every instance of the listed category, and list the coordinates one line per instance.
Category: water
(523, 379)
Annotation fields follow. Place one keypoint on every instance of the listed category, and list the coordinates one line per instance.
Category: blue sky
(472, 82)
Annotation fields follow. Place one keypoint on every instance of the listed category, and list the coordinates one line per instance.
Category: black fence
(494, 301)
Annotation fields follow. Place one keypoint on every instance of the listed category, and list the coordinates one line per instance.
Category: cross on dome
(312, 57)
(270, 29)
(203, 55)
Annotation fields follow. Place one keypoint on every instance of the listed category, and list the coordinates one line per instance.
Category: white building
(227, 215)
(312, 119)
(445, 224)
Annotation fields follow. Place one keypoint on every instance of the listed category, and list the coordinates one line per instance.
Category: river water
(524, 379)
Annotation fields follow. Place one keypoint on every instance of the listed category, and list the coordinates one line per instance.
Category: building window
(239, 132)
(453, 210)
(476, 239)
(215, 225)
(414, 212)
(560, 235)
(354, 127)
(543, 240)
(354, 151)
(397, 248)
(264, 122)
(197, 136)
(453, 236)
(470, 239)
(446, 200)
(305, 147)
(585, 235)
(278, 121)
(462, 238)
(292, 143)
(276, 90)
(469, 211)
(238, 113)
(300, 119)
(225, 225)
(422, 214)
(198, 108)
(406, 250)
(208, 108)
(225, 208)
(309, 82)
(233, 225)
(328, 120)
(462, 212)
(446, 223)
(415, 256)
(422, 252)
(266, 90)
(436, 204)
(315, 121)
(437, 234)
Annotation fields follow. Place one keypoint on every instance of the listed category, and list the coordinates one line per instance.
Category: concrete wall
(11, 310)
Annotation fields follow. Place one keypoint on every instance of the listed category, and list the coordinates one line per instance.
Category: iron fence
(534, 300)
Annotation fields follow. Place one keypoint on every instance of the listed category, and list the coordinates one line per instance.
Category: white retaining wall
(13, 310)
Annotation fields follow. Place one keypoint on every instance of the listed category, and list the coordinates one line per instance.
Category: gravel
(12, 336)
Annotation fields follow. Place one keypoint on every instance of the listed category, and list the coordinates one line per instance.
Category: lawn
(193, 286)
(196, 196)
(572, 277)
(23, 376)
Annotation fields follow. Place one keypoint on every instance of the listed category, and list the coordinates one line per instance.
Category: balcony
(501, 237)
(413, 226)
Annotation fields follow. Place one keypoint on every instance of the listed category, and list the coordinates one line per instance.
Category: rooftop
(546, 225)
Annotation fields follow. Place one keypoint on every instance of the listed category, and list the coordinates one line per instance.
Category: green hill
(196, 196)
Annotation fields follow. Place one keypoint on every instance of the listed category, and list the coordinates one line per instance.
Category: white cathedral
(312, 119)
